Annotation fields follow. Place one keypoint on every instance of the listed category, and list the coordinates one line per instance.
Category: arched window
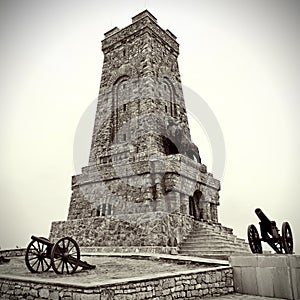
(121, 97)
(167, 94)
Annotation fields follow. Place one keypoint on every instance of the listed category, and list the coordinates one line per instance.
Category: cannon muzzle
(264, 219)
(266, 226)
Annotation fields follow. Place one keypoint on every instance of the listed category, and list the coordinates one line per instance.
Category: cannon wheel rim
(287, 238)
(65, 256)
(36, 257)
(254, 240)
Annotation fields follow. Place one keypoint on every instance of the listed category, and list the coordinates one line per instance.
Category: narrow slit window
(98, 211)
(124, 107)
(109, 209)
(103, 209)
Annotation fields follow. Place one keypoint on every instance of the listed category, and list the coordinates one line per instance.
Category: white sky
(241, 57)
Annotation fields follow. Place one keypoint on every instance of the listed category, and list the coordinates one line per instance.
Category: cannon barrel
(42, 240)
(264, 219)
(266, 226)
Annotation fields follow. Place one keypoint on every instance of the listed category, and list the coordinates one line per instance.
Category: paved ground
(107, 269)
(242, 297)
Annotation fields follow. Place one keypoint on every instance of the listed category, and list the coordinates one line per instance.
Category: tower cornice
(141, 22)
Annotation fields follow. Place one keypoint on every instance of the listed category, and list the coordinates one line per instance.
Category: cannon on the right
(270, 234)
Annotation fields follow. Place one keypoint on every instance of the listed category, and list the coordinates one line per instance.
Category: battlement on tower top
(142, 22)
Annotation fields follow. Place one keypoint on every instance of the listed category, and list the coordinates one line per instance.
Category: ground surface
(107, 268)
(110, 268)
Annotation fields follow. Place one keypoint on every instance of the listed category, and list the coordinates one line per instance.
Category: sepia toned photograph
(149, 149)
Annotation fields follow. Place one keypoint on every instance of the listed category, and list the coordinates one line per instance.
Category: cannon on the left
(63, 256)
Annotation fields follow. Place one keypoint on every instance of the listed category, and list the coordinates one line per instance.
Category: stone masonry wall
(160, 184)
(13, 252)
(191, 285)
(149, 229)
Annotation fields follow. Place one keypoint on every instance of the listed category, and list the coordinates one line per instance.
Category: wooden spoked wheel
(65, 256)
(254, 240)
(287, 238)
(37, 258)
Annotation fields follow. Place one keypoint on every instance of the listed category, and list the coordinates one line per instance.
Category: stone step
(216, 246)
(215, 243)
(203, 233)
(213, 228)
(241, 240)
(214, 235)
(216, 230)
(210, 231)
(212, 252)
(210, 247)
(211, 238)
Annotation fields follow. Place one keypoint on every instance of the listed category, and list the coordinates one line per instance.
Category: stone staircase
(213, 240)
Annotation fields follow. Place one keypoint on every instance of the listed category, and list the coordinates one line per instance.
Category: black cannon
(63, 256)
(270, 234)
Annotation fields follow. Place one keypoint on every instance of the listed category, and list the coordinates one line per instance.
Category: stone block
(4, 288)
(276, 275)
(44, 293)
(282, 283)
(54, 295)
(295, 274)
(265, 282)
(276, 261)
(237, 279)
(294, 261)
(33, 293)
(249, 281)
(244, 261)
(90, 297)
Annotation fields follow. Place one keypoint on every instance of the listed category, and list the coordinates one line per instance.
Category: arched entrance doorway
(192, 210)
(196, 205)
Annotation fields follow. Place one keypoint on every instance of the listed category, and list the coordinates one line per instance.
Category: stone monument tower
(144, 184)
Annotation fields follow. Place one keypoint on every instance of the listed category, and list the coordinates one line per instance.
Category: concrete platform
(189, 278)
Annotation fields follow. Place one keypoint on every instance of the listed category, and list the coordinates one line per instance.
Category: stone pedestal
(275, 276)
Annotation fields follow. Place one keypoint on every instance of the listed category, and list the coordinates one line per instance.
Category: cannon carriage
(270, 234)
(63, 256)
